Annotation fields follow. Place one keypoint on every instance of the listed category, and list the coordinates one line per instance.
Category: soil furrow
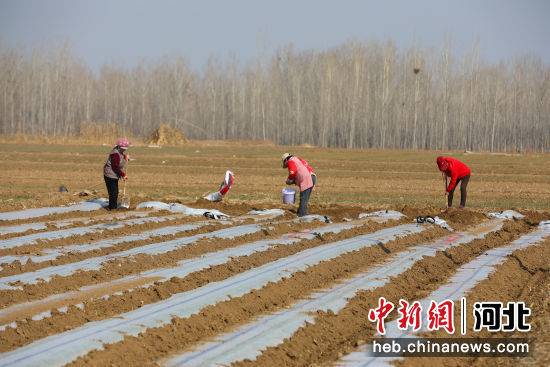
(227, 315)
(524, 277)
(102, 308)
(34, 227)
(313, 345)
(70, 252)
(118, 265)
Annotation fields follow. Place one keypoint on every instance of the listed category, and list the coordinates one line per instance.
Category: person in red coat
(300, 173)
(458, 172)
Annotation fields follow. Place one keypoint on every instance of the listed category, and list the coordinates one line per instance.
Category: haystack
(166, 135)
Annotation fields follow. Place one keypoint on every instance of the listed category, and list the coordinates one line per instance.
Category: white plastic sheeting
(271, 212)
(188, 266)
(65, 347)
(95, 263)
(86, 205)
(381, 216)
(384, 214)
(65, 222)
(271, 330)
(52, 254)
(458, 286)
(311, 217)
(32, 239)
(443, 224)
(29, 226)
(178, 208)
(431, 220)
(506, 214)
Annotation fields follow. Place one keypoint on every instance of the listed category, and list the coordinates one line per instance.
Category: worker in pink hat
(458, 172)
(301, 174)
(112, 170)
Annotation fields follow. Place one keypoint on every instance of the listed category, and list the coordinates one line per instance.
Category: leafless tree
(355, 95)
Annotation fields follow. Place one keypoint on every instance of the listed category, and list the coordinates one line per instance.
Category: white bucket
(289, 195)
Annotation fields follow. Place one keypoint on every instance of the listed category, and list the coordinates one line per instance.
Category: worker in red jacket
(301, 174)
(458, 172)
(113, 170)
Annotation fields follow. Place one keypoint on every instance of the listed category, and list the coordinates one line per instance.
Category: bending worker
(301, 174)
(458, 172)
(112, 170)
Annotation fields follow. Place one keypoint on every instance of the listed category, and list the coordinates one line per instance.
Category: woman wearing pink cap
(458, 172)
(112, 171)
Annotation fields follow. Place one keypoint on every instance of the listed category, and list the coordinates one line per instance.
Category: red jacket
(455, 170)
(292, 169)
(300, 171)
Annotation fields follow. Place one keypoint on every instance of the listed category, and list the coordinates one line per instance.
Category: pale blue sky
(128, 31)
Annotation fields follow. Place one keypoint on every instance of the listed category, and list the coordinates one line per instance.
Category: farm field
(160, 286)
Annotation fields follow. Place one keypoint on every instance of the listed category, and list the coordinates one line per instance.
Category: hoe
(125, 201)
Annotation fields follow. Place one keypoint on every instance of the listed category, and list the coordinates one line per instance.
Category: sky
(127, 32)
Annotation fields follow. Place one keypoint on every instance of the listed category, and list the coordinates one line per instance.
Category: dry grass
(89, 133)
(33, 173)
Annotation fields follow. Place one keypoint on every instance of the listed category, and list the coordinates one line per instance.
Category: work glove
(125, 177)
(126, 157)
(289, 181)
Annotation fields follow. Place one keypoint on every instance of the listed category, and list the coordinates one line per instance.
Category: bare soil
(350, 182)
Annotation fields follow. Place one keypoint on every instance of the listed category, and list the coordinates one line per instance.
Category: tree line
(355, 95)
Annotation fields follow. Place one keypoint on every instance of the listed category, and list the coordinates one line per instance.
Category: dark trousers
(112, 189)
(463, 184)
(304, 198)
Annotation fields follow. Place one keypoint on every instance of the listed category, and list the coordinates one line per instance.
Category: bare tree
(354, 95)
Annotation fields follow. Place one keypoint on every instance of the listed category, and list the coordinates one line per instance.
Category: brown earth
(523, 277)
(349, 183)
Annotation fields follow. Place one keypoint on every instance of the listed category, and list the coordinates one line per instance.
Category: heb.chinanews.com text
(451, 347)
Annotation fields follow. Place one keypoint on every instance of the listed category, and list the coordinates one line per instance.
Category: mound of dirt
(466, 217)
(166, 135)
(457, 219)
